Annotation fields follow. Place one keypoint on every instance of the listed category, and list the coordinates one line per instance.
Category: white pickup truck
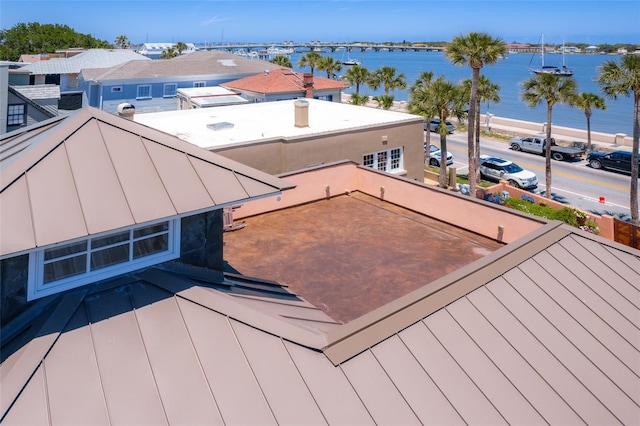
(536, 145)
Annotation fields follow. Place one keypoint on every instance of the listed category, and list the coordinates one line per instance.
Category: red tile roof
(282, 80)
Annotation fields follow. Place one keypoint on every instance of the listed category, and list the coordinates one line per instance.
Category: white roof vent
(221, 125)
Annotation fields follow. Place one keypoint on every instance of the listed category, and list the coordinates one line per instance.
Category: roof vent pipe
(301, 113)
(126, 110)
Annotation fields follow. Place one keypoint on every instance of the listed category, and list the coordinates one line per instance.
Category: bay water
(508, 73)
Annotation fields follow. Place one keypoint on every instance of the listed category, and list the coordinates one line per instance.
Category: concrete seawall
(560, 133)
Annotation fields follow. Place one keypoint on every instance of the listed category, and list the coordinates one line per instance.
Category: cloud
(214, 20)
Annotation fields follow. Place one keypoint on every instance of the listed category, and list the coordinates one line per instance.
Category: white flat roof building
(224, 126)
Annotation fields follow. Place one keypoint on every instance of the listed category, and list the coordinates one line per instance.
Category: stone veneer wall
(201, 240)
(13, 292)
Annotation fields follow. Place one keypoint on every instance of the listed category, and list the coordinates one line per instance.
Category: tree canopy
(34, 38)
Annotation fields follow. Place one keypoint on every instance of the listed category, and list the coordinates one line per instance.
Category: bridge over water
(327, 47)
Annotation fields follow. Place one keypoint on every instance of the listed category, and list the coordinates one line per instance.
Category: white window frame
(199, 84)
(390, 160)
(143, 87)
(16, 114)
(170, 90)
(36, 287)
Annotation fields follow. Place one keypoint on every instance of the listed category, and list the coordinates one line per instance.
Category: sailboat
(552, 69)
(349, 61)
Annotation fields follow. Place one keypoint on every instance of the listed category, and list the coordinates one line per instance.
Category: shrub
(565, 214)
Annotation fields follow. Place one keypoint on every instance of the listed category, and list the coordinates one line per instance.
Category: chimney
(301, 113)
(126, 110)
(307, 83)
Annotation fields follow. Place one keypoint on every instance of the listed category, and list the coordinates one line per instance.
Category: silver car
(435, 156)
(496, 169)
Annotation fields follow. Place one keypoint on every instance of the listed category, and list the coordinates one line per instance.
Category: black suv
(616, 160)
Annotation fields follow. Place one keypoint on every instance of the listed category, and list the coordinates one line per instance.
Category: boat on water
(349, 60)
(552, 69)
(274, 51)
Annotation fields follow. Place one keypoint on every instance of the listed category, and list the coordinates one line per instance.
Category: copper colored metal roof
(543, 331)
(95, 172)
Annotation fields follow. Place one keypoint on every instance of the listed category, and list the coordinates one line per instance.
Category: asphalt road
(573, 182)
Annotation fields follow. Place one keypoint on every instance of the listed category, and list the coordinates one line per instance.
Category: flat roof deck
(351, 254)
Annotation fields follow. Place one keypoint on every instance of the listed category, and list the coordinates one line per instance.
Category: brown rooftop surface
(351, 254)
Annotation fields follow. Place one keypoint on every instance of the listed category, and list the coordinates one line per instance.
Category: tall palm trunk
(477, 136)
(633, 199)
(587, 113)
(547, 154)
(442, 176)
(471, 149)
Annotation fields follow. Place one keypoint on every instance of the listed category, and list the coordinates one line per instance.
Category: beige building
(278, 137)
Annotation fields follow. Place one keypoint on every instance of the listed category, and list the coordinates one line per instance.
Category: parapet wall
(312, 185)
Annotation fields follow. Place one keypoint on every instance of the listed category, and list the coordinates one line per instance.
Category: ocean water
(509, 73)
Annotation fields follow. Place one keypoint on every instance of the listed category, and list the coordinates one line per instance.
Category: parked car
(435, 122)
(615, 160)
(435, 156)
(494, 168)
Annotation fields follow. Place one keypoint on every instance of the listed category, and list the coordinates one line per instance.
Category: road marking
(572, 176)
(584, 197)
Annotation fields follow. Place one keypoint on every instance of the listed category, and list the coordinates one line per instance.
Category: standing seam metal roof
(551, 338)
(95, 172)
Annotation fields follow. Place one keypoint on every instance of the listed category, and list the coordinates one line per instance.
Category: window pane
(367, 160)
(110, 256)
(150, 246)
(53, 253)
(65, 268)
(109, 239)
(382, 160)
(148, 230)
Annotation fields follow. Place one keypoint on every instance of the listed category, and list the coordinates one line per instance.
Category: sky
(213, 21)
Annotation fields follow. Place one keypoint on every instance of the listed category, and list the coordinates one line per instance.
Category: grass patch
(565, 214)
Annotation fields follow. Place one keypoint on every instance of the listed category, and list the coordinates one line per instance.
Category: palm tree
(487, 91)
(169, 53)
(384, 101)
(423, 81)
(553, 90)
(310, 59)
(623, 79)
(475, 49)
(417, 94)
(282, 61)
(442, 99)
(122, 42)
(420, 104)
(357, 75)
(358, 99)
(386, 76)
(180, 47)
(586, 101)
(330, 66)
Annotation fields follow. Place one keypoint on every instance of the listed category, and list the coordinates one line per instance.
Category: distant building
(278, 137)
(64, 72)
(152, 85)
(206, 97)
(285, 83)
(154, 50)
(22, 106)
